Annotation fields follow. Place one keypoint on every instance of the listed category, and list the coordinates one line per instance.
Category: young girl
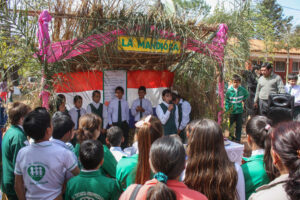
(167, 158)
(209, 169)
(286, 158)
(136, 169)
(89, 129)
(257, 130)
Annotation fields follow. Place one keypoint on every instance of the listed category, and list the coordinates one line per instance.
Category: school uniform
(118, 153)
(294, 91)
(181, 190)
(42, 166)
(101, 110)
(91, 184)
(168, 119)
(118, 115)
(184, 111)
(13, 140)
(145, 104)
(109, 165)
(254, 172)
(75, 115)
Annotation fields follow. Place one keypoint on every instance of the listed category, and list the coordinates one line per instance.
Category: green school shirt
(13, 140)
(109, 165)
(92, 185)
(254, 173)
(126, 171)
(234, 99)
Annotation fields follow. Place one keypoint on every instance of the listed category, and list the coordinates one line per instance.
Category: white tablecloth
(235, 152)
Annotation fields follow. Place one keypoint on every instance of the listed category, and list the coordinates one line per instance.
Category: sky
(290, 7)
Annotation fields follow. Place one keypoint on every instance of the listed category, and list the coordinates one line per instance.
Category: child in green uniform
(13, 140)
(91, 183)
(254, 170)
(235, 95)
(136, 169)
(89, 129)
(167, 113)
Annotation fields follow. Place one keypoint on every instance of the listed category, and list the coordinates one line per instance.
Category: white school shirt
(104, 112)
(186, 110)
(163, 117)
(118, 153)
(42, 166)
(147, 106)
(74, 115)
(294, 92)
(113, 111)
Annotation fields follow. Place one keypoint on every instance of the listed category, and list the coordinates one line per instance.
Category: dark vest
(98, 111)
(170, 125)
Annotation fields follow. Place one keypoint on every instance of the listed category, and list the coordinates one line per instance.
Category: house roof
(259, 46)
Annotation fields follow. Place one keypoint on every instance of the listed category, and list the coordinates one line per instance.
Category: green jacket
(234, 99)
(13, 140)
(254, 173)
(92, 185)
(109, 165)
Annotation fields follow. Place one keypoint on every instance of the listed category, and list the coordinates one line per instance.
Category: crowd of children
(173, 158)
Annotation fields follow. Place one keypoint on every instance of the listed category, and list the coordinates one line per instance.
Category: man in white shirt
(114, 139)
(184, 111)
(294, 90)
(77, 111)
(40, 167)
(118, 113)
(99, 109)
(167, 113)
(141, 107)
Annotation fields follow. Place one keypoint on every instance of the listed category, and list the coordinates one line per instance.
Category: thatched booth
(130, 50)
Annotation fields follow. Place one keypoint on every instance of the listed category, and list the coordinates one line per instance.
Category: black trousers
(238, 120)
(125, 128)
(263, 107)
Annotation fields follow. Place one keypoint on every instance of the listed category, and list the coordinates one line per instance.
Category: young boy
(90, 183)
(118, 113)
(40, 167)
(77, 111)
(99, 109)
(141, 107)
(294, 90)
(114, 139)
(167, 113)
(235, 95)
(13, 140)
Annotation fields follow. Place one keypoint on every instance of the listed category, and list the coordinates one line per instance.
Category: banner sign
(152, 45)
(111, 80)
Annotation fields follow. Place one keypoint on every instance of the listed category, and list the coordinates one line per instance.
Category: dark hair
(286, 143)
(146, 135)
(175, 96)
(167, 155)
(191, 125)
(114, 136)
(120, 89)
(17, 111)
(292, 77)
(267, 65)
(96, 92)
(209, 169)
(36, 123)
(76, 98)
(62, 124)
(59, 100)
(256, 128)
(91, 154)
(166, 91)
(88, 124)
(255, 67)
(142, 88)
(236, 77)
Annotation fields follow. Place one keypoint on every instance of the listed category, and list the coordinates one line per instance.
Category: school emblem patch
(36, 172)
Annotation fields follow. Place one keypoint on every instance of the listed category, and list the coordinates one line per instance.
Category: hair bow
(267, 127)
(143, 122)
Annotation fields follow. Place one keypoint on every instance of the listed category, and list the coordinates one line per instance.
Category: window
(296, 67)
(279, 66)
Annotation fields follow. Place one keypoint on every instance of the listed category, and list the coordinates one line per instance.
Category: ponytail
(88, 125)
(160, 191)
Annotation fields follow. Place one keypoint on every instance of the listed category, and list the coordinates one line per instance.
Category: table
(235, 152)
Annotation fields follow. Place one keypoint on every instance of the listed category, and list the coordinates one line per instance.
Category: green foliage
(191, 9)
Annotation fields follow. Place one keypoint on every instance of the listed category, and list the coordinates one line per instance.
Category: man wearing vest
(101, 110)
(184, 111)
(167, 113)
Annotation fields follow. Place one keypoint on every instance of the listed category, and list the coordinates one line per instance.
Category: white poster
(113, 79)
